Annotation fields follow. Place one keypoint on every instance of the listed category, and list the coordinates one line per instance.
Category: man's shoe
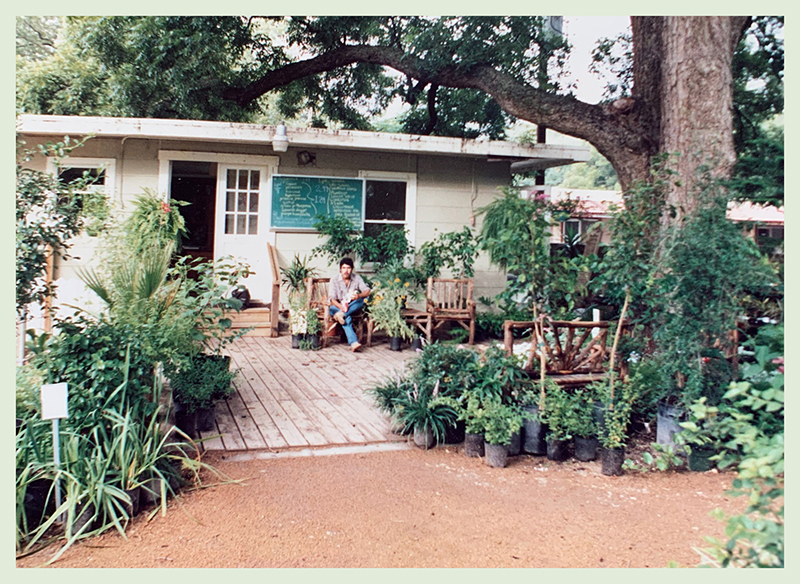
(355, 346)
(339, 317)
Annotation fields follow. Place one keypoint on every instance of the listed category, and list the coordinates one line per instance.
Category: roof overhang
(522, 156)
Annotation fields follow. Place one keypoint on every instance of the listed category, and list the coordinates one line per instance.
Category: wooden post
(616, 341)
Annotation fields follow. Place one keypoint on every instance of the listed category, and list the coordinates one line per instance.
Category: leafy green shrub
(96, 359)
(201, 381)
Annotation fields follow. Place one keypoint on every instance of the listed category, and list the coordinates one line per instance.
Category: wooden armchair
(317, 290)
(450, 300)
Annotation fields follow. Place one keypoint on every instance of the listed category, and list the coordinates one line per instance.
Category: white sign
(54, 401)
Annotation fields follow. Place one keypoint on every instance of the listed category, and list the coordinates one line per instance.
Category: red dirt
(420, 509)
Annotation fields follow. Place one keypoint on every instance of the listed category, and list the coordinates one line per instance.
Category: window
(92, 197)
(570, 230)
(384, 206)
(241, 201)
(99, 172)
(388, 205)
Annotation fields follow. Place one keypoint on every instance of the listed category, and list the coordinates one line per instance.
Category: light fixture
(280, 142)
(304, 158)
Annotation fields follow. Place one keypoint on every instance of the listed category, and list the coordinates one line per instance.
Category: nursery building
(255, 189)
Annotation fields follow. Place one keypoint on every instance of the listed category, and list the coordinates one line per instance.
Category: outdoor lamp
(280, 142)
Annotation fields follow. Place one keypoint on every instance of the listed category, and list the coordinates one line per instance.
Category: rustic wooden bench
(575, 352)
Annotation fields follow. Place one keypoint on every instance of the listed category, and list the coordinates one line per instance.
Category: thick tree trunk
(695, 100)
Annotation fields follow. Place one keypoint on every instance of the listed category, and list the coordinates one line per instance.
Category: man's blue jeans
(352, 308)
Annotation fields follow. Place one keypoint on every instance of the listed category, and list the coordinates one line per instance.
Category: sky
(583, 32)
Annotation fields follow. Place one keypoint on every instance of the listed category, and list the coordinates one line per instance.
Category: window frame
(410, 178)
(108, 165)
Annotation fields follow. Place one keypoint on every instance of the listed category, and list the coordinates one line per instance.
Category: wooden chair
(448, 300)
(317, 290)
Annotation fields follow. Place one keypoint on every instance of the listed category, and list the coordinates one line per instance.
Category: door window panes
(241, 201)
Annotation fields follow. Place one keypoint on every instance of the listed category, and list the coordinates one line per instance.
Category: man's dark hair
(345, 262)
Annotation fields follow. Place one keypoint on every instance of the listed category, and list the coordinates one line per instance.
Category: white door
(242, 229)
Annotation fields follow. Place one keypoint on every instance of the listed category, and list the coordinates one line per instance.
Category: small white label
(54, 401)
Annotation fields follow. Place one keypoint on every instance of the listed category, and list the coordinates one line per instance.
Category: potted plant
(294, 279)
(500, 422)
(468, 409)
(385, 311)
(197, 385)
(313, 330)
(556, 410)
(419, 413)
(613, 433)
(582, 426)
(698, 436)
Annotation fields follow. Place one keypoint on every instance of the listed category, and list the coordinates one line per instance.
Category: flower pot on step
(612, 459)
(496, 455)
(186, 421)
(473, 445)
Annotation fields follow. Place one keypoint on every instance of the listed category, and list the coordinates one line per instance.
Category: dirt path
(420, 509)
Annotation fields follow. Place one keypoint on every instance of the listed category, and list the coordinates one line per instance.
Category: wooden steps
(259, 317)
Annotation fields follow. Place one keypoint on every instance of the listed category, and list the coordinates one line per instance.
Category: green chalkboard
(296, 200)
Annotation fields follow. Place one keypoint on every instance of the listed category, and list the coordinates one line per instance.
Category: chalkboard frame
(303, 229)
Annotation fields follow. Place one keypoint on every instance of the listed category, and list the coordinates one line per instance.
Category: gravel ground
(414, 508)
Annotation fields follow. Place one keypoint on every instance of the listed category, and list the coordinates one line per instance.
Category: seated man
(347, 294)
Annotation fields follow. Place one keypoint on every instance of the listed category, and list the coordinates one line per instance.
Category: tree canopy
(462, 76)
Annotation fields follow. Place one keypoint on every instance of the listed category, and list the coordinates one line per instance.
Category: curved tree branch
(607, 129)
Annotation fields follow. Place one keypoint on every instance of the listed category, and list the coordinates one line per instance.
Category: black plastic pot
(39, 502)
(206, 419)
(558, 450)
(533, 433)
(586, 448)
(296, 341)
(473, 445)
(599, 416)
(416, 344)
(315, 342)
(186, 421)
(454, 434)
(700, 459)
(612, 459)
(496, 455)
(395, 343)
(668, 422)
(135, 495)
(515, 446)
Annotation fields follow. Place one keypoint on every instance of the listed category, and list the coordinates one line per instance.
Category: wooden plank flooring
(288, 398)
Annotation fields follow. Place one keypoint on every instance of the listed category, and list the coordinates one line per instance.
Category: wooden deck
(287, 398)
